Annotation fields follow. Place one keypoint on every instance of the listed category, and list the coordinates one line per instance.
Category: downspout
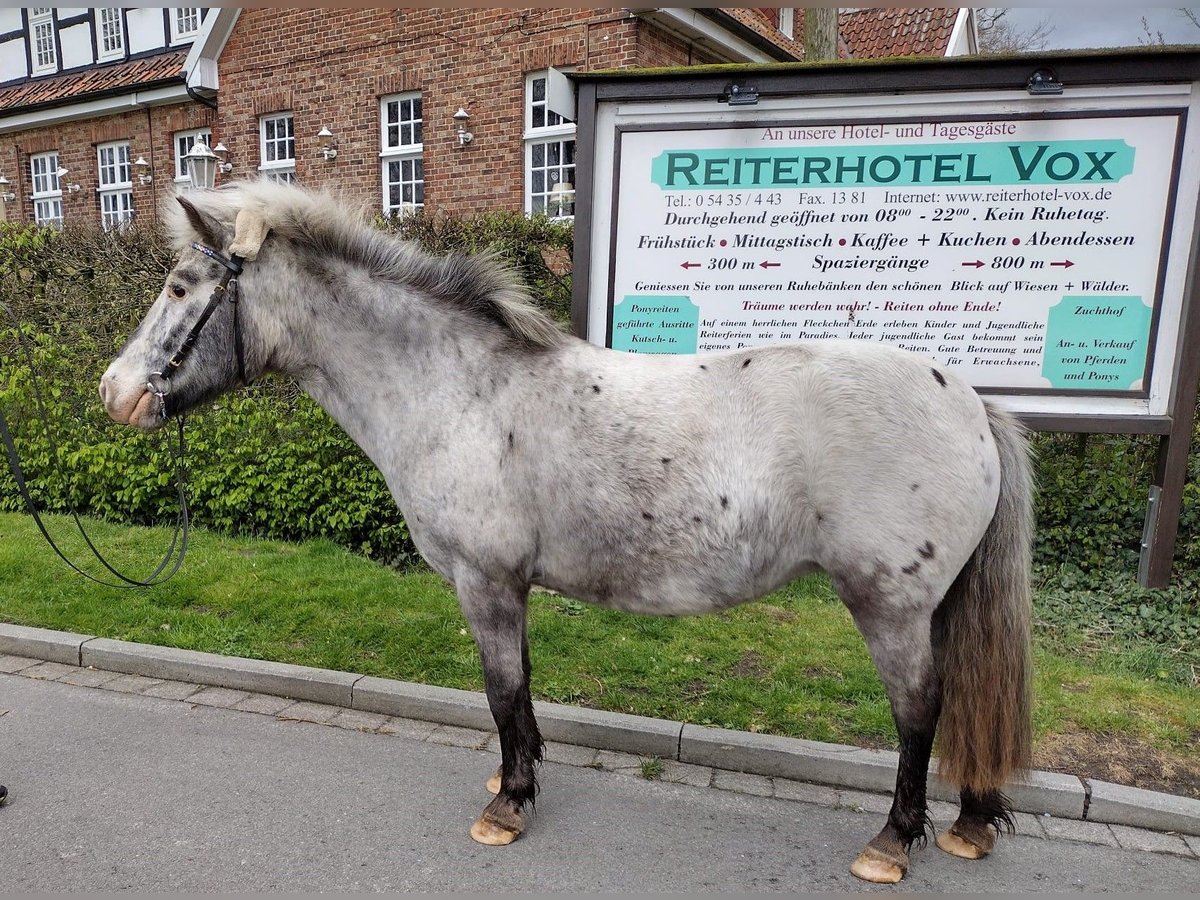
(211, 104)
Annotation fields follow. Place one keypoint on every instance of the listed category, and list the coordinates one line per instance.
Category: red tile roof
(874, 33)
(864, 33)
(137, 73)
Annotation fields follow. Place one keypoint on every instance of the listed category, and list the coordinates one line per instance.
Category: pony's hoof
(485, 832)
(876, 868)
(493, 783)
(959, 846)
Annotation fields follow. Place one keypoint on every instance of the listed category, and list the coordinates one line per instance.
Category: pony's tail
(985, 731)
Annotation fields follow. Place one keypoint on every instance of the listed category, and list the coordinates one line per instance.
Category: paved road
(116, 791)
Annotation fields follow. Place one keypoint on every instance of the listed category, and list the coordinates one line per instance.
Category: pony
(674, 485)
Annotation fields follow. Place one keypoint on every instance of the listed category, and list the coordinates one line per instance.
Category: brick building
(450, 108)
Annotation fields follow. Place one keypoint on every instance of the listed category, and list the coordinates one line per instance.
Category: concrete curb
(1063, 796)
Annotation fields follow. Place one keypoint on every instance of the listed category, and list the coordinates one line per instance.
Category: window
(185, 23)
(549, 154)
(41, 27)
(184, 142)
(47, 192)
(787, 18)
(111, 40)
(116, 184)
(400, 150)
(277, 147)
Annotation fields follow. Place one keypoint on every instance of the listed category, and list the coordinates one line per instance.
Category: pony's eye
(178, 292)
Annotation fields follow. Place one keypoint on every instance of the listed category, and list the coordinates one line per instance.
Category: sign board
(1039, 245)
(1026, 254)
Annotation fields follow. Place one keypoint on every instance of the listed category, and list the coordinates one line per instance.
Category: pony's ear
(210, 230)
(249, 232)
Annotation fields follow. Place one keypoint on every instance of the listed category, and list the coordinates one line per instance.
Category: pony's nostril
(105, 383)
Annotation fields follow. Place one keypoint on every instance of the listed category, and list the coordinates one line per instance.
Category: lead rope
(172, 559)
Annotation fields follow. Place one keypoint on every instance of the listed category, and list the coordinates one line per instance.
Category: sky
(1107, 26)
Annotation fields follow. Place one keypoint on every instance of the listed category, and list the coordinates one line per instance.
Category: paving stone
(1193, 842)
(1029, 825)
(686, 773)
(357, 720)
(266, 704)
(943, 812)
(225, 698)
(615, 761)
(89, 677)
(48, 671)
(570, 754)
(453, 736)
(1072, 830)
(743, 783)
(320, 713)
(130, 684)
(863, 801)
(172, 690)
(803, 792)
(414, 729)
(1154, 841)
(13, 664)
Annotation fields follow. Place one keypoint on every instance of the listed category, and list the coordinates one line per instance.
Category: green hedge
(267, 461)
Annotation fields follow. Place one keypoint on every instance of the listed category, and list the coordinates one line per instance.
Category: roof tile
(80, 85)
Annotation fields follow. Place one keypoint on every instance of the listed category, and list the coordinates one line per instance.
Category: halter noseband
(159, 383)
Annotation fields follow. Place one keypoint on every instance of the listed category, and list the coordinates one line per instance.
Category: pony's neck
(385, 361)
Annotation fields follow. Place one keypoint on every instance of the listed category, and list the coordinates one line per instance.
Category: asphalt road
(113, 791)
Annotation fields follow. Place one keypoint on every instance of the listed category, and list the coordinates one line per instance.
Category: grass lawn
(792, 664)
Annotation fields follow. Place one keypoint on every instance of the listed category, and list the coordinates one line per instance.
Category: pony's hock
(654, 484)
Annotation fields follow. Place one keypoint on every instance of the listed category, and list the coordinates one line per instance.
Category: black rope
(178, 540)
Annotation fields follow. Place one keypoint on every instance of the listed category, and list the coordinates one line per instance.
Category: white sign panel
(1027, 254)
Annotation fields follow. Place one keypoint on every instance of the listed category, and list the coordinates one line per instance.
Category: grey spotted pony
(667, 485)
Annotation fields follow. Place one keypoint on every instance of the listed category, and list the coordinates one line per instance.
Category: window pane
(539, 117)
(406, 134)
(539, 89)
(539, 181)
(417, 138)
(554, 153)
(393, 135)
(569, 152)
(539, 154)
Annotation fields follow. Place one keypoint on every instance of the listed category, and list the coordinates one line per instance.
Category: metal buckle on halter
(159, 385)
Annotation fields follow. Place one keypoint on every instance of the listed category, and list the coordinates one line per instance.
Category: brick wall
(149, 133)
(329, 67)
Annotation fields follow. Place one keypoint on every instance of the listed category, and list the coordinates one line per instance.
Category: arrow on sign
(1066, 264)
(769, 265)
(689, 265)
(976, 264)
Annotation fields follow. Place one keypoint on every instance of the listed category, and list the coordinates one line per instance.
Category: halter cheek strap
(226, 288)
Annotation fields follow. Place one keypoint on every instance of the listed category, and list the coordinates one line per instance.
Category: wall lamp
(224, 166)
(460, 119)
(328, 144)
(5, 194)
(61, 174)
(145, 173)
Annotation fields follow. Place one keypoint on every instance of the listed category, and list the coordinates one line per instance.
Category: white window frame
(115, 179)
(107, 16)
(183, 182)
(787, 22)
(47, 190)
(401, 152)
(561, 132)
(277, 169)
(42, 17)
(179, 17)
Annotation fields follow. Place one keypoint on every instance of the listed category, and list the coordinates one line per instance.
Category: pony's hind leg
(899, 640)
(496, 614)
(980, 818)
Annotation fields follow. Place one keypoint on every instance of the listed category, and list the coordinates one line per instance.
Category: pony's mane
(317, 223)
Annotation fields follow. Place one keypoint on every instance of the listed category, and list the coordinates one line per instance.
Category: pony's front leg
(495, 610)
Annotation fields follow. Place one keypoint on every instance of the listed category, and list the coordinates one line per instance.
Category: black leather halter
(226, 289)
